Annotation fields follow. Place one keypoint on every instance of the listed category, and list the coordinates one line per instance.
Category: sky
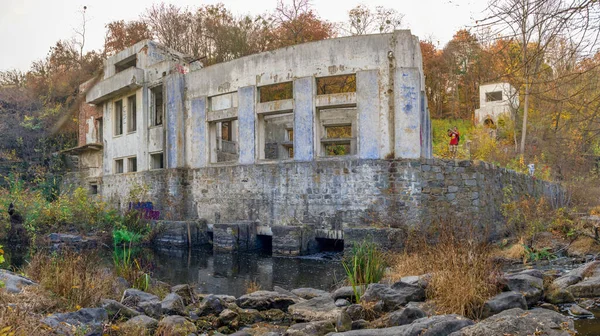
(28, 28)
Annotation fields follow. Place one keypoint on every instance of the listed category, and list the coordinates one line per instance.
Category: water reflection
(226, 273)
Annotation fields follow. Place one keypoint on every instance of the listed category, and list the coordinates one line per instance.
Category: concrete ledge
(123, 81)
(176, 234)
(386, 238)
(239, 236)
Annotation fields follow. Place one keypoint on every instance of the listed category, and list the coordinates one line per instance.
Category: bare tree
(80, 31)
(364, 20)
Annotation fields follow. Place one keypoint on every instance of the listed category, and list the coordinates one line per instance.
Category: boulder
(13, 282)
(587, 288)
(317, 328)
(283, 291)
(417, 280)
(186, 292)
(309, 293)
(393, 296)
(558, 295)
(502, 302)
(263, 300)
(355, 311)
(440, 325)
(117, 310)
(517, 321)
(211, 304)
(360, 324)
(229, 318)
(530, 286)
(274, 315)
(343, 322)
(176, 325)
(172, 304)
(345, 292)
(91, 320)
(342, 303)
(140, 325)
(133, 297)
(576, 310)
(249, 316)
(404, 316)
(316, 309)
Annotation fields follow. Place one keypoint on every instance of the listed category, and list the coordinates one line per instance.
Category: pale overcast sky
(28, 28)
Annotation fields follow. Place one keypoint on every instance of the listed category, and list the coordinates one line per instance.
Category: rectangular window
(156, 106)
(223, 141)
(337, 131)
(132, 164)
(278, 136)
(100, 130)
(157, 161)
(493, 96)
(274, 92)
(93, 189)
(127, 63)
(131, 114)
(118, 117)
(336, 84)
(119, 166)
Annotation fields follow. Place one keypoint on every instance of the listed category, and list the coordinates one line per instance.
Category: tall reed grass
(364, 264)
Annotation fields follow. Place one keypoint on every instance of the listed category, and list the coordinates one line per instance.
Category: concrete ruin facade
(323, 140)
(496, 101)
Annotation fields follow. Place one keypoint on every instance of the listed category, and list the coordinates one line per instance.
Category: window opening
(132, 164)
(224, 141)
(127, 63)
(337, 131)
(93, 189)
(273, 92)
(278, 136)
(493, 96)
(119, 117)
(119, 166)
(131, 114)
(157, 161)
(100, 130)
(336, 84)
(157, 106)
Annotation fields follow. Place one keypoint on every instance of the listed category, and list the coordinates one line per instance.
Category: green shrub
(365, 264)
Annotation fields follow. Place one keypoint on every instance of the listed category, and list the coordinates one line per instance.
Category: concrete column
(304, 116)
(407, 113)
(175, 151)
(426, 141)
(198, 133)
(367, 103)
(247, 122)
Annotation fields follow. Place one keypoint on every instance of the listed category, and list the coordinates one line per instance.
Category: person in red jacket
(454, 140)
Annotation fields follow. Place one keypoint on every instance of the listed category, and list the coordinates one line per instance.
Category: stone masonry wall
(330, 194)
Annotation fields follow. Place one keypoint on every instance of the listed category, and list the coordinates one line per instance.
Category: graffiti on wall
(146, 209)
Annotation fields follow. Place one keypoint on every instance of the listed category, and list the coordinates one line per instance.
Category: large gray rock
(263, 300)
(140, 325)
(316, 309)
(117, 310)
(211, 304)
(441, 325)
(356, 312)
(309, 293)
(147, 303)
(517, 321)
(317, 328)
(404, 316)
(576, 310)
(502, 302)
(173, 304)
(345, 292)
(530, 286)
(176, 325)
(13, 282)
(186, 292)
(393, 296)
(89, 320)
(588, 288)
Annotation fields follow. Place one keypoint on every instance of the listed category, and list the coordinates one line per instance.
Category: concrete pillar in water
(304, 114)
(293, 240)
(407, 114)
(368, 107)
(175, 150)
(198, 133)
(246, 125)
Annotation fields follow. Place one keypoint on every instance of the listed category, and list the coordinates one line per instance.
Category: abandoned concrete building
(323, 140)
(496, 101)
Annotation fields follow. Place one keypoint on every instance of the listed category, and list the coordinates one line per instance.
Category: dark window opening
(119, 117)
(330, 245)
(336, 84)
(131, 114)
(93, 189)
(157, 161)
(226, 131)
(493, 96)
(264, 244)
(157, 106)
(274, 92)
(100, 130)
(132, 164)
(119, 166)
(127, 63)
(489, 123)
(224, 148)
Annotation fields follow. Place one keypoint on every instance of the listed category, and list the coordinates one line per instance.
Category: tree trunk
(525, 110)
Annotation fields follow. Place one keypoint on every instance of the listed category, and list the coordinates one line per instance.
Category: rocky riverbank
(528, 305)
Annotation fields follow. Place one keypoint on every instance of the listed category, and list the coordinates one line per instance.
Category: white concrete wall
(494, 109)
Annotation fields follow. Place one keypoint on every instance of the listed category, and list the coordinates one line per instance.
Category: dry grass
(77, 278)
(463, 274)
(514, 252)
(252, 286)
(21, 313)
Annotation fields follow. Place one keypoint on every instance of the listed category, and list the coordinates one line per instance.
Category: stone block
(293, 240)
(181, 234)
(239, 236)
